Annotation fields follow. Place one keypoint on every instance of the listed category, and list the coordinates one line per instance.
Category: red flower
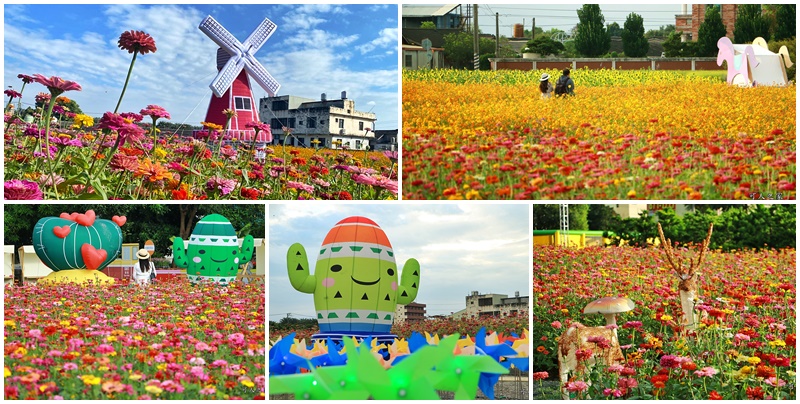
(713, 395)
(343, 196)
(137, 41)
(12, 94)
(755, 393)
(25, 78)
(56, 85)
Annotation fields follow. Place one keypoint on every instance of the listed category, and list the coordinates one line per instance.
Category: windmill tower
(236, 63)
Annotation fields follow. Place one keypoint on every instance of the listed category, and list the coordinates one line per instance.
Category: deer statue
(687, 275)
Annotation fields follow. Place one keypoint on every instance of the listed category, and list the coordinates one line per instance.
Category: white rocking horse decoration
(754, 64)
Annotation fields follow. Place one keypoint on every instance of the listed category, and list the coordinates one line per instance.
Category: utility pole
(476, 44)
(533, 29)
(496, 34)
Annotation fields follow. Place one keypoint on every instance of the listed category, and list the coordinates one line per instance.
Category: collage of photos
(394, 201)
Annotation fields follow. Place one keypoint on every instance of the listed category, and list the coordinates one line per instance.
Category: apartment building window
(361, 126)
(311, 123)
(281, 105)
(341, 123)
(409, 61)
(358, 145)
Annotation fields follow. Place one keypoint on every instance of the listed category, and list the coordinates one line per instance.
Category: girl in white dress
(144, 269)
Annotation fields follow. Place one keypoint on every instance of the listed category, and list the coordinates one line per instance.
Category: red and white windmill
(235, 60)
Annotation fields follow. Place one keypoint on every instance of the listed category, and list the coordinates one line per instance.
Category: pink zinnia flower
(56, 85)
(775, 382)
(70, 366)
(300, 186)
(615, 368)
(224, 185)
(155, 112)
(707, 371)
(390, 154)
(364, 179)
(236, 338)
(21, 190)
(25, 78)
(578, 386)
(669, 361)
(12, 94)
(104, 349)
(137, 41)
(201, 346)
(386, 184)
(556, 325)
(540, 375)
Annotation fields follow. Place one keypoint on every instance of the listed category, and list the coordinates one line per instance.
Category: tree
(614, 29)
(601, 217)
(543, 45)
(538, 31)
(458, 49)
(710, 31)
(547, 217)
(662, 31)
(673, 47)
(786, 21)
(750, 24)
(634, 44)
(591, 38)
(428, 25)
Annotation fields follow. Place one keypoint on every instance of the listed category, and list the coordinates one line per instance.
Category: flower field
(168, 341)
(625, 135)
(744, 347)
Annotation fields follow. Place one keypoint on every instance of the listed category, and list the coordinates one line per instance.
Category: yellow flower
(90, 379)
(777, 342)
(10, 323)
(754, 360)
(746, 370)
(6, 372)
(632, 193)
(565, 311)
(160, 153)
(137, 337)
(153, 389)
(135, 377)
(21, 351)
(247, 383)
(81, 121)
(161, 366)
(111, 338)
(64, 323)
(666, 317)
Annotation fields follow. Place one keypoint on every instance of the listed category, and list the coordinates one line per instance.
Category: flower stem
(47, 141)
(130, 69)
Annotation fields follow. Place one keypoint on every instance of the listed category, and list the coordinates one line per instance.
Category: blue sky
(316, 49)
(461, 247)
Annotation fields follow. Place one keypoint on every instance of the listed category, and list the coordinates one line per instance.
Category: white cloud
(387, 38)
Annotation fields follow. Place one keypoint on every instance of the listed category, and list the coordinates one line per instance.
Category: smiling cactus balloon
(355, 282)
(213, 252)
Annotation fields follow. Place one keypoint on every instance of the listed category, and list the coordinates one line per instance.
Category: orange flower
(152, 172)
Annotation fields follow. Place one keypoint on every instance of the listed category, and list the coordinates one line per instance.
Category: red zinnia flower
(25, 78)
(713, 395)
(755, 393)
(12, 94)
(137, 41)
(56, 85)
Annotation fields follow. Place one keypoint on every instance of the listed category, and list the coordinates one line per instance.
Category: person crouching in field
(545, 87)
(144, 270)
(565, 85)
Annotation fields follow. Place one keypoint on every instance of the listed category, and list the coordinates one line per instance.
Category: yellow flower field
(625, 135)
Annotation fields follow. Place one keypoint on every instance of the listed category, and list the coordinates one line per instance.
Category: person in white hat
(144, 270)
(545, 87)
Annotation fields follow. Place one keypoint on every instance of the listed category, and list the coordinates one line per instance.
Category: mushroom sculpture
(581, 347)
(609, 307)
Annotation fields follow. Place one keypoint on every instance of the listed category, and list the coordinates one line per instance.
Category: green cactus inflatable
(213, 252)
(355, 279)
(77, 241)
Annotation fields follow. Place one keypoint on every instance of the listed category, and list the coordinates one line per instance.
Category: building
(633, 210)
(327, 123)
(446, 16)
(416, 57)
(410, 312)
(385, 140)
(689, 23)
(493, 304)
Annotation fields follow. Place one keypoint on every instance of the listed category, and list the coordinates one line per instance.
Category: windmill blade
(221, 36)
(260, 35)
(261, 76)
(226, 76)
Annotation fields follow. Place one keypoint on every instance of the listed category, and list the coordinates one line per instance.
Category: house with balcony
(329, 123)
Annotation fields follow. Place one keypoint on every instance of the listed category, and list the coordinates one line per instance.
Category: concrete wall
(606, 63)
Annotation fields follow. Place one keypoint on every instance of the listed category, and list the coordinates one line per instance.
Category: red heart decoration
(72, 216)
(61, 232)
(119, 220)
(86, 219)
(93, 257)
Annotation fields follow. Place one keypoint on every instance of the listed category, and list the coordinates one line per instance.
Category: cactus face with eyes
(213, 251)
(355, 281)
